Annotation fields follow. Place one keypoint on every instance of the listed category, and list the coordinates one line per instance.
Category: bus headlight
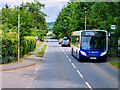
(103, 53)
(83, 53)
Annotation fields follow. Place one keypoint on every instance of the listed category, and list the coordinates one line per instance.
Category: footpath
(26, 62)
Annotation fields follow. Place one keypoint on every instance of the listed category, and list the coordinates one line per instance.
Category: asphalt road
(59, 69)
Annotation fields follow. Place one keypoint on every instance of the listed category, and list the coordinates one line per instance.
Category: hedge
(10, 46)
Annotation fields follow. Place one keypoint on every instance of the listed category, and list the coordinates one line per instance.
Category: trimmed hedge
(29, 45)
(10, 46)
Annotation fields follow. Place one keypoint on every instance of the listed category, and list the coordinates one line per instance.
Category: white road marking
(28, 78)
(75, 68)
(80, 74)
(73, 65)
(67, 56)
(68, 49)
(62, 49)
(36, 69)
(88, 85)
(69, 59)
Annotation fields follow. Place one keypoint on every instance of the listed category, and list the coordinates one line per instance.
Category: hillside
(50, 23)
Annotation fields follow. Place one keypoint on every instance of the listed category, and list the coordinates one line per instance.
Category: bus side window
(77, 41)
(73, 40)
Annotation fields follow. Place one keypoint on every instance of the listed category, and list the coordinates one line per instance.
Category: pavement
(26, 62)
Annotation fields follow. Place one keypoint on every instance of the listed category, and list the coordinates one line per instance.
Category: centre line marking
(77, 70)
(73, 65)
(69, 59)
(67, 56)
(88, 85)
(29, 78)
(80, 74)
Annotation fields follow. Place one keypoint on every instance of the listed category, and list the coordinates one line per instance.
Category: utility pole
(18, 34)
(85, 19)
(19, 30)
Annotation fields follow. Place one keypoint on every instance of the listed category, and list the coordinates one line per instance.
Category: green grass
(42, 51)
(39, 45)
(46, 40)
(116, 64)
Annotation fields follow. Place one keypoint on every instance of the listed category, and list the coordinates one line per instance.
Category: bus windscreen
(93, 40)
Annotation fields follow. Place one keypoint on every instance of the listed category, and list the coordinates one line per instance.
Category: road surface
(59, 69)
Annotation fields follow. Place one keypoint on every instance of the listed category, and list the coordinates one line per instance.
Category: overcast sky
(52, 7)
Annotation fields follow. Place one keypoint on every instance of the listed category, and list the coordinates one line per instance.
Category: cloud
(53, 0)
(52, 7)
(48, 3)
(12, 3)
(54, 3)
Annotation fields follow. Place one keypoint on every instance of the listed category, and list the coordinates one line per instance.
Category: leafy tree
(99, 16)
(30, 19)
(32, 22)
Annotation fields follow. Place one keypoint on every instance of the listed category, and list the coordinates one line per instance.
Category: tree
(99, 16)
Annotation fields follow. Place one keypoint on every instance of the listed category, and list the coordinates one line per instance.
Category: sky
(52, 7)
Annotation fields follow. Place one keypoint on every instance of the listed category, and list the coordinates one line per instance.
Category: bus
(89, 44)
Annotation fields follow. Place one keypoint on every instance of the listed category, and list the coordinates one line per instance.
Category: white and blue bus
(89, 44)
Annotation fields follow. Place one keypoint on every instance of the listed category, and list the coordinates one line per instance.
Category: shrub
(10, 46)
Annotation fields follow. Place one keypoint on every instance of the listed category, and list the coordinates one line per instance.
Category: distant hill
(50, 23)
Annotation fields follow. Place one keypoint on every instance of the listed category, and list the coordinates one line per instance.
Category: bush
(60, 35)
(29, 44)
(10, 46)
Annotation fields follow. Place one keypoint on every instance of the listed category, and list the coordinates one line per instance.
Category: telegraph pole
(85, 20)
(19, 30)
(18, 34)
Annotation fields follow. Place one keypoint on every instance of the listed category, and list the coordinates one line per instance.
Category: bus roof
(78, 32)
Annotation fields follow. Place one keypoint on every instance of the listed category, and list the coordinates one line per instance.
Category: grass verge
(116, 64)
(42, 51)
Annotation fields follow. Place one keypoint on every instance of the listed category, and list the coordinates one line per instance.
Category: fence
(114, 45)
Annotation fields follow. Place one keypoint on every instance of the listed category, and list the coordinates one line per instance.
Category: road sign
(112, 26)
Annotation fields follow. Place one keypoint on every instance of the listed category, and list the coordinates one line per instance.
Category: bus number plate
(93, 58)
